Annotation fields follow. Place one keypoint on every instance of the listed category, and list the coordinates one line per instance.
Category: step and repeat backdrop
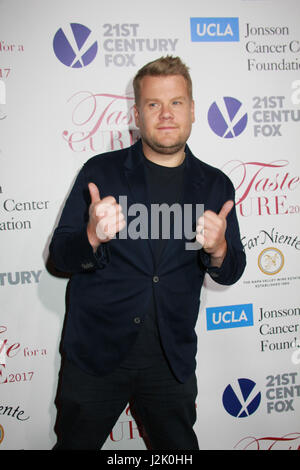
(66, 70)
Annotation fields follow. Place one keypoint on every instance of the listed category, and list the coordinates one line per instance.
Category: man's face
(164, 114)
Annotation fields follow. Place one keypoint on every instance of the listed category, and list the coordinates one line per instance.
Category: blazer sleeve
(234, 262)
(70, 249)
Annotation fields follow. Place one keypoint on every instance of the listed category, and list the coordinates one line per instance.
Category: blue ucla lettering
(232, 316)
(214, 29)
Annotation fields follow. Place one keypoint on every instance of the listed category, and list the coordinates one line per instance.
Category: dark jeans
(89, 406)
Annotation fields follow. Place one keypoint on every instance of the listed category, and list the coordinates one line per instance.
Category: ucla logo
(230, 316)
(214, 29)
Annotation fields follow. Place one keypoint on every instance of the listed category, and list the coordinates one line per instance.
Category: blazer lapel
(193, 191)
(135, 175)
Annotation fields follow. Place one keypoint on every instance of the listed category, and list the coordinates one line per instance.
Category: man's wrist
(92, 238)
(217, 258)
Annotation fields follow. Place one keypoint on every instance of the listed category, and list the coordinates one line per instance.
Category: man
(134, 300)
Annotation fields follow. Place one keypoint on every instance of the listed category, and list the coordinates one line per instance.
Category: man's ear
(136, 115)
(193, 111)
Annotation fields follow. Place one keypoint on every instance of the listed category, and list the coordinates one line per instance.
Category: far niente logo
(271, 261)
(75, 46)
(227, 117)
(242, 398)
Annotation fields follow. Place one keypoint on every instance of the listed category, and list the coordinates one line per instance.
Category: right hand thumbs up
(105, 218)
(94, 193)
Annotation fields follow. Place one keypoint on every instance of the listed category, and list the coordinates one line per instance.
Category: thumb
(226, 209)
(94, 193)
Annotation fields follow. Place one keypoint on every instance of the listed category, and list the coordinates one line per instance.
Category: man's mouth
(166, 128)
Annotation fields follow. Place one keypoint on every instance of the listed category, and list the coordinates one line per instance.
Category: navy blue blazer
(110, 290)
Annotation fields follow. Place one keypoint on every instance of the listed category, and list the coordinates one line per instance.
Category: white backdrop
(57, 109)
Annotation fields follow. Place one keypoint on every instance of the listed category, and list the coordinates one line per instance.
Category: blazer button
(137, 320)
(155, 279)
(87, 265)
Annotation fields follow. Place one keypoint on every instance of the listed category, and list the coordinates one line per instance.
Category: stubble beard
(164, 149)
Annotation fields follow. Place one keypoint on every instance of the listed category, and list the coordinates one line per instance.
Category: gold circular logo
(271, 261)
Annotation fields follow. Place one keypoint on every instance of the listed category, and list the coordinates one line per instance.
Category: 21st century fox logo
(76, 45)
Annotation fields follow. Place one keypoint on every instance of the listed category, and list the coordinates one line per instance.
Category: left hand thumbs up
(211, 228)
(226, 209)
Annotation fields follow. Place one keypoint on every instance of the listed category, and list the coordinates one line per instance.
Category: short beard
(163, 149)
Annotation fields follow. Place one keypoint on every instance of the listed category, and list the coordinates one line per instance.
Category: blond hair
(163, 66)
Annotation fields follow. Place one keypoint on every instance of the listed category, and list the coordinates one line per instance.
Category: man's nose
(166, 112)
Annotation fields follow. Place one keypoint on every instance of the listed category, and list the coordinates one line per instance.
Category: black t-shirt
(164, 185)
